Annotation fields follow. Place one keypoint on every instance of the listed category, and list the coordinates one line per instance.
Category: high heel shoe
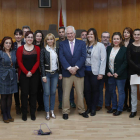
(52, 114)
(47, 115)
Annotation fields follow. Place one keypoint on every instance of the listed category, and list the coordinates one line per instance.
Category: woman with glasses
(8, 77)
(28, 58)
(95, 65)
(134, 68)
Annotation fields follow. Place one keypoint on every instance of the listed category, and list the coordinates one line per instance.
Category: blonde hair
(49, 36)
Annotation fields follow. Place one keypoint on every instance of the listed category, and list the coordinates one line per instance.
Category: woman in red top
(28, 58)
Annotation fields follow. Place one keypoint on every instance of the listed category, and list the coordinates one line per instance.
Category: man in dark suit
(72, 55)
(61, 33)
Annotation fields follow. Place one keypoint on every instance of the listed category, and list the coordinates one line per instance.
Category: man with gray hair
(105, 37)
(25, 29)
(72, 55)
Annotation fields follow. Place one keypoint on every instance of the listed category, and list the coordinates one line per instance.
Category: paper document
(134, 79)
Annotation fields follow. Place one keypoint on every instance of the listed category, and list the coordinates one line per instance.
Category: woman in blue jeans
(50, 72)
(117, 72)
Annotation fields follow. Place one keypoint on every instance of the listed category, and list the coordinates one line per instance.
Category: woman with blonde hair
(50, 68)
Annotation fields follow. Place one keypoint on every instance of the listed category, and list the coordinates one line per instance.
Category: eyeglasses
(30, 37)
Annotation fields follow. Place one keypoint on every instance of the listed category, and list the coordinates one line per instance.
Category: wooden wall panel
(73, 13)
(9, 18)
(114, 16)
(37, 16)
(51, 14)
(23, 13)
(100, 17)
(1, 19)
(137, 20)
(128, 13)
(85, 13)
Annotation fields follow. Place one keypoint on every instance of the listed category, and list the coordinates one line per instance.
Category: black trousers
(91, 90)
(16, 96)
(40, 93)
(127, 91)
(29, 86)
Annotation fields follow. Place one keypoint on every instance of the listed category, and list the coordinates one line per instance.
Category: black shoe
(125, 107)
(33, 117)
(98, 108)
(18, 110)
(65, 116)
(24, 117)
(60, 105)
(129, 109)
(93, 113)
(73, 105)
(132, 115)
(40, 108)
(88, 111)
(111, 110)
(117, 113)
(108, 107)
(84, 114)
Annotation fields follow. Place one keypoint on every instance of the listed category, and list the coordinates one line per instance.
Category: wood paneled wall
(16, 13)
(103, 15)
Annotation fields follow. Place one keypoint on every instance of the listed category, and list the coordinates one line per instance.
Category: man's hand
(73, 70)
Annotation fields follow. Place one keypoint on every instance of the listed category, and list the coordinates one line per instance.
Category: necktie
(72, 47)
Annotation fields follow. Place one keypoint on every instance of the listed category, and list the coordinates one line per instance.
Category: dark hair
(42, 41)
(26, 27)
(28, 32)
(129, 30)
(62, 27)
(119, 34)
(136, 30)
(105, 32)
(3, 41)
(83, 31)
(95, 35)
(18, 31)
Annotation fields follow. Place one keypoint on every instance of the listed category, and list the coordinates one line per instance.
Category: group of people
(86, 64)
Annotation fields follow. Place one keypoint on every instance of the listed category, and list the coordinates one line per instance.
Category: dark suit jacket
(77, 59)
(120, 62)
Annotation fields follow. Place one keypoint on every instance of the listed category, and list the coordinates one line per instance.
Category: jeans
(91, 90)
(49, 89)
(60, 92)
(107, 95)
(113, 82)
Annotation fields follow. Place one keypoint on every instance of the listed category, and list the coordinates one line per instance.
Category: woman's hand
(115, 75)
(60, 77)
(109, 74)
(44, 79)
(100, 76)
(29, 74)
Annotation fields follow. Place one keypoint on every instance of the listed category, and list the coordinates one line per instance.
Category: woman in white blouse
(50, 72)
(117, 72)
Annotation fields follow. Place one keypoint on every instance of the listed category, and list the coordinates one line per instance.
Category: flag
(61, 21)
